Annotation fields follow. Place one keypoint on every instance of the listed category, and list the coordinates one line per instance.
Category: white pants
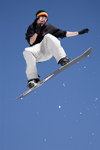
(50, 46)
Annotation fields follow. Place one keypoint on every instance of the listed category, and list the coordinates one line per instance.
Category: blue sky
(64, 113)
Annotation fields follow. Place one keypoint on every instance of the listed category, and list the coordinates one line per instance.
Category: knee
(26, 49)
(25, 52)
(52, 39)
(48, 35)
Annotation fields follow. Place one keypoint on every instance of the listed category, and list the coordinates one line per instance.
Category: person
(44, 44)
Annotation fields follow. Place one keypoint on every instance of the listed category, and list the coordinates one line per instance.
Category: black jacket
(44, 30)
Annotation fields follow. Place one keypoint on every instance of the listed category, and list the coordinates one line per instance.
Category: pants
(48, 47)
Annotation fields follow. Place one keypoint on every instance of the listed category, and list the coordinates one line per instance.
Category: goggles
(43, 19)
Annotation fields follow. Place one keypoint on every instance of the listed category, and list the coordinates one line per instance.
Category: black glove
(83, 31)
(38, 28)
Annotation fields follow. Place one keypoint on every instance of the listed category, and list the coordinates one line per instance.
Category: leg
(32, 55)
(31, 70)
(52, 45)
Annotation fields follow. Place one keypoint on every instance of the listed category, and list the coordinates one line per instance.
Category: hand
(38, 28)
(83, 31)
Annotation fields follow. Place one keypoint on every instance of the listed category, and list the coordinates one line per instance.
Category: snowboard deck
(74, 61)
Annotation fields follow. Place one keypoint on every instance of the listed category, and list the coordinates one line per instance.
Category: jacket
(47, 28)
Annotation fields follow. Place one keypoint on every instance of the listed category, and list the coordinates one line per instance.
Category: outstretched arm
(69, 34)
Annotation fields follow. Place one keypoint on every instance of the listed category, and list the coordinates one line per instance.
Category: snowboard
(74, 61)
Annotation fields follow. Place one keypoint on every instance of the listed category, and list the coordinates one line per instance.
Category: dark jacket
(47, 28)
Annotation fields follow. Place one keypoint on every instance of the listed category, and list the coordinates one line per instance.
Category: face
(42, 20)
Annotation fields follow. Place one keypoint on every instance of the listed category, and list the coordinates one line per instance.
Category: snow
(96, 99)
(59, 106)
(64, 84)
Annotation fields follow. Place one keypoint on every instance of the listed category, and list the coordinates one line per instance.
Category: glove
(38, 28)
(83, 31)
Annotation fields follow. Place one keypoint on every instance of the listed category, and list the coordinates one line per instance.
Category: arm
(37, 31)
(69, 34)
(32, 33)
(33, 39)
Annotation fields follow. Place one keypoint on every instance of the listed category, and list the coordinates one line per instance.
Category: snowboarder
(44, 44)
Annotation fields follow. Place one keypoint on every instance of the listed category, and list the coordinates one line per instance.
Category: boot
(33, 82)
(63, 61)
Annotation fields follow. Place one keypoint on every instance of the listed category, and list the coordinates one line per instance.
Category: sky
(64, 113)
